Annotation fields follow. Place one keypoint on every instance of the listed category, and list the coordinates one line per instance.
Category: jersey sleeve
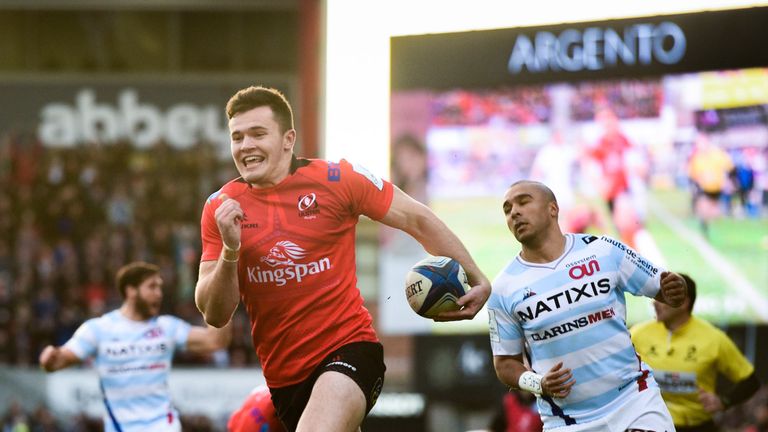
(177, 330)
(85, 342)
(636, 274)
(507, 337)
(730, 361)
(209, 232)
(368, 194)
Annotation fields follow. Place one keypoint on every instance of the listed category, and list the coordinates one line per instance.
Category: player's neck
(280, 173)
(675, 323)
(545, 249)
(131, 313)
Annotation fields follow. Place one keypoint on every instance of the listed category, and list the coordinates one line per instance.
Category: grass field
(730, 267)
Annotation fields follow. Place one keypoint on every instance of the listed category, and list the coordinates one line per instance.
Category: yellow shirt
(709, 169)
(688, 359)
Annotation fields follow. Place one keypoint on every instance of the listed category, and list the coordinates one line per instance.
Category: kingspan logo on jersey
(283, 266)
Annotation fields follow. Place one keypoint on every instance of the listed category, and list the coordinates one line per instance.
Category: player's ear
(289, 139)
(554, 209)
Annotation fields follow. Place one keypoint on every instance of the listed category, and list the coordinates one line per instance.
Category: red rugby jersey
(297, 262)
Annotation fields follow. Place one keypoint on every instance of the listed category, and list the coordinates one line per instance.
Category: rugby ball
(434, 284)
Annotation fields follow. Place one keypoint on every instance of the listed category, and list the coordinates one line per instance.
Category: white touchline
(735, 279)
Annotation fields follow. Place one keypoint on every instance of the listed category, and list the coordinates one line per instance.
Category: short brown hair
(134, 274)
(690, 286)
(258, 96)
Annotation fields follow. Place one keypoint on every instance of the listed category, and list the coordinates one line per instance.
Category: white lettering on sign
(144, 124)
(597, 48)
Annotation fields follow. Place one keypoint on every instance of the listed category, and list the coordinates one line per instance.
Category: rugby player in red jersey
(282, 238)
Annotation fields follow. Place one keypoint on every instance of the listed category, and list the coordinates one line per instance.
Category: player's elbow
(223, 336)
(218, 321)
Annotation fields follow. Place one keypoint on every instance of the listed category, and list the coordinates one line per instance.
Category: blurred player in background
(256, 414)
(133, 348)
(561, 302)
(282, 237)
(709, 169)
(516, 413)
(686, 354)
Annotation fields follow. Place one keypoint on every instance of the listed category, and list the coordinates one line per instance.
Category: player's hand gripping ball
(434, 284)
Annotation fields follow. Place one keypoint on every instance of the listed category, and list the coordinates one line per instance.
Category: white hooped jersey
(573, 310)
(133, 360)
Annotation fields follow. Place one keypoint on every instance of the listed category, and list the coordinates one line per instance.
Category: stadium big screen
(635, 124)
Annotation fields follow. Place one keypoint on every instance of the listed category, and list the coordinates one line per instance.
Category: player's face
(528, 212)
(149, 297)
(668, 314)
(261, 151)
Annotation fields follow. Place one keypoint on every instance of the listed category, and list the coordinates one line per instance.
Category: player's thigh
(354, 370)
(337, 404)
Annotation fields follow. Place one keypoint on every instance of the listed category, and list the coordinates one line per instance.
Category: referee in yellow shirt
(686, 354)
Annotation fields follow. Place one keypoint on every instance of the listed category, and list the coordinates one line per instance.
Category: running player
(686, 354)
(561, 303)
(282, 238)
(256, 414)
(133, 348)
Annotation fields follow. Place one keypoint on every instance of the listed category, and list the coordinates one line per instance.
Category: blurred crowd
(511, 105)
(70, 217)
(41, 419)
(629, 99)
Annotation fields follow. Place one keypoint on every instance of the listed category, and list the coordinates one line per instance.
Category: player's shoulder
(609, 241)
(509, 278)
(645, 328)
(704, 328)
(599, 244)
(583, 238)
(233, 187)
(170, 320)
(112, 317)
(342, 171)
(107, 322)
(317, 169)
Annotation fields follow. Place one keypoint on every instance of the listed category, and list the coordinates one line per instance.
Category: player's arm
(217, 292)
(418, 220)
(740, 392)
(205, 340)
(513, 373)
(673, 289)
(55, 358)
(731, 363)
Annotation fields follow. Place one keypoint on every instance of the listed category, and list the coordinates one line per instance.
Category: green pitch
(730, 266)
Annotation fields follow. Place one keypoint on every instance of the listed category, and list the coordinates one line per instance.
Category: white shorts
(158, 426)
(644, 411)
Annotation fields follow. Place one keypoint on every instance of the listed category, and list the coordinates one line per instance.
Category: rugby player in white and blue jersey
(133, 347)
(557, 321)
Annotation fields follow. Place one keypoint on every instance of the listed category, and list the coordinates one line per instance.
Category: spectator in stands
(760, 419)
(15, 420)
